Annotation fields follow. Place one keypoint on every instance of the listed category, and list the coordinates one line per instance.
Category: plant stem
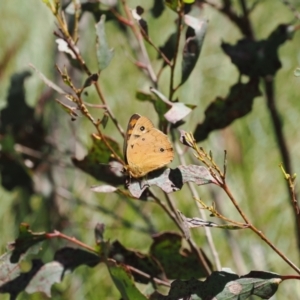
(277, 125)
(201, 212)
(173, 65)
(258, 232)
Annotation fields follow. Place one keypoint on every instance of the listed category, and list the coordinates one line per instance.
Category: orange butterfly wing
(146, 148)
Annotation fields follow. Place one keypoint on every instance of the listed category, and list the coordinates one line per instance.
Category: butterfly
(145, 148)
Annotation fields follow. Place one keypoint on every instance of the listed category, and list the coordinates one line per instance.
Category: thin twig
(140, 40)
(173, 66)
(172, 213)
(156, 280)
(292, 8)
(281, 141)
(201, 212)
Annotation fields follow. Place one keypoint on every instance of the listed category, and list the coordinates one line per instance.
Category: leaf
(169, 48)
(136, 14)
(53, 272)
(161, 107)
(157, 8)
(194, 40)
(104, 54)
(143, 96)
(264, 284)
(10, 279)
(90, 80)
(19, 283)
(99, 233)
(176, 261)
(177, 112)
(69, 107)
(96, 162)
(45, 277)
(143, 262)
(63, 46)
(225, 285)
(197, 222)
(104, 189)
(258, 58)
(41, 277)
(95, 9)
(71, 258)
(175, 5)
(109, 3)
(222, 112)
(186, 138)
(9, 270)
(47, 81)
(25, 240)
(171, 180)
(124, 282)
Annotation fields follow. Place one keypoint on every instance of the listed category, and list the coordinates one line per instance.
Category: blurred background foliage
(61, 198)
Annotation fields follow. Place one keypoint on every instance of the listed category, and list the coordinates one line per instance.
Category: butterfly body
(145, 148)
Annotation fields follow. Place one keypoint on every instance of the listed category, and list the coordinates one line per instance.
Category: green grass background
(253, 156)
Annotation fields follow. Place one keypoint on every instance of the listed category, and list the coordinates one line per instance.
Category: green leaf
(25, 240)
(104, 54)
(124, 281)
(47, 81)
(177, 262)
(16, 285)
(44, 277)
(143, 262)
(143, 96)
(69, 107)
(194, 40)
(41, 277)
(13, 281)
(65, 259)
(225, 285)
(160, 106)
(97, 162)
(90, 80)
(174, 4)
(48, 3)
